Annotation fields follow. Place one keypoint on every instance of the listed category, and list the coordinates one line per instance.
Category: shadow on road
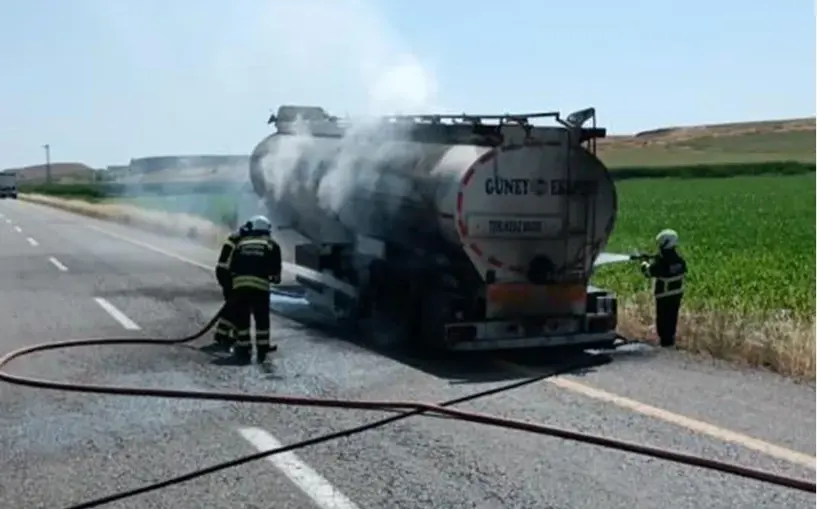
(457, 367)
(307, 325)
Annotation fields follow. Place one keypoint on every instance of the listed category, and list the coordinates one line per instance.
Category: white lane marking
(18, 229)
(32, 241)
(701, 427)
(150, 247)
(2, 215)
(56, 263)
(287, 267)
(8, 221)
(117, 315)
(324, 494)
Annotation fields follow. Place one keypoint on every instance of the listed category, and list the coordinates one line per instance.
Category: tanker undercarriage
(453, 232)
(412, 300)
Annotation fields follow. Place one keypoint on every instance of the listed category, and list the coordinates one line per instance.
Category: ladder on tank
(575, 263)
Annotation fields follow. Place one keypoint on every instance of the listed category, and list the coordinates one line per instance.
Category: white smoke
(343, 55)
(343, 44)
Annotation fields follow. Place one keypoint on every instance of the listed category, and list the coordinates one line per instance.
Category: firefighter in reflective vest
(668, 268)
(254, 264)
(225, 326)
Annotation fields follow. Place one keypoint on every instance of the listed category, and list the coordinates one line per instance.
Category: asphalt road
(61, 449)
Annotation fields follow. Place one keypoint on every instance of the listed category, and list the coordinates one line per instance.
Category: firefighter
(668, 268)
(225, 326)
(254, 264)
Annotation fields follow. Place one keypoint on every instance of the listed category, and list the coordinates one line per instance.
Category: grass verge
(780, 342)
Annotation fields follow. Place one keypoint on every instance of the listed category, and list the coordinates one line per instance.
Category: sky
(103, 81)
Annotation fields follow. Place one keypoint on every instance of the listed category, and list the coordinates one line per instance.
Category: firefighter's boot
(224, 341)
(264, 350)
(242, 355)
(225, 334)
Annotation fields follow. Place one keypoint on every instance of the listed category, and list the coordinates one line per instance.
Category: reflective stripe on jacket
(667, 286)
(255, 260)
(225, 257)
(669, 270)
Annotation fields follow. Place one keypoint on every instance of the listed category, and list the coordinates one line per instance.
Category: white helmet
(667, 239)
(259, 224)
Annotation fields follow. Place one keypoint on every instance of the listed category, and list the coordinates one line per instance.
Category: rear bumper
(549, 341)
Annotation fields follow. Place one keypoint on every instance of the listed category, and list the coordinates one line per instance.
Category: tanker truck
(452, 232)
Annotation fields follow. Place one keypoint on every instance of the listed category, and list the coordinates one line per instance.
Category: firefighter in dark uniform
(254, 264)
(668, 268)
(225, 326)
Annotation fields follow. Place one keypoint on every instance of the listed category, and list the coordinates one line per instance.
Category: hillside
(773, 140)
(60, 172)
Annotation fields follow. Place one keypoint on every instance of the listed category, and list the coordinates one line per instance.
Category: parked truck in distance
(8, 185)
(467, 232)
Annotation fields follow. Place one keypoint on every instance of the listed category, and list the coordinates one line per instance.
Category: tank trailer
(467, 232)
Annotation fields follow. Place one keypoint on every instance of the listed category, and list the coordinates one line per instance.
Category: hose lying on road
(409, 408)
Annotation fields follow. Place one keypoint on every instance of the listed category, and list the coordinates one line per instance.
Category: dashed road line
(117, 315)
(56, 263)
(18, 229)
(32, 241)
(8, 221)
(694, 425)
(315, 486)
(307, 479)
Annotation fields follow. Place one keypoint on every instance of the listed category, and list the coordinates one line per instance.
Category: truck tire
(386, 321)
(429, 342)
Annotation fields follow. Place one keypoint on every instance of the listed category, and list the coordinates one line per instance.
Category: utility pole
(47, 148)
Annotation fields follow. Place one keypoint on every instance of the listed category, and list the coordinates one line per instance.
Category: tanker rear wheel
(429, 341)
(386, 319)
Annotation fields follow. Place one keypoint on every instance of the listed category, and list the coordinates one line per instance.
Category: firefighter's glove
(275, 279)
(645, 268)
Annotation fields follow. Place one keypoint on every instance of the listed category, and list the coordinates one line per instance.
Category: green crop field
(749, 241)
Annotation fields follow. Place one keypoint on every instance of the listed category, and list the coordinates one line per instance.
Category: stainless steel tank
(536, 195)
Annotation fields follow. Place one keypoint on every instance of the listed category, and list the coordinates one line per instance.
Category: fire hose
(405, 409)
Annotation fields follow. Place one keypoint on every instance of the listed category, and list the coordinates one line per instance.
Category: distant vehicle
(8, 185)
(469, 232)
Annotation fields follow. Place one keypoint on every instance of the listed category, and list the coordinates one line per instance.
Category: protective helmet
(666, 239)
(259, 224)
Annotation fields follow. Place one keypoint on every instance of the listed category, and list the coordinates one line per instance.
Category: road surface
(66, 276)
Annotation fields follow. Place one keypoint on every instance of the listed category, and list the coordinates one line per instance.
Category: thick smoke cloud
(354, 47)
(339, 54)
